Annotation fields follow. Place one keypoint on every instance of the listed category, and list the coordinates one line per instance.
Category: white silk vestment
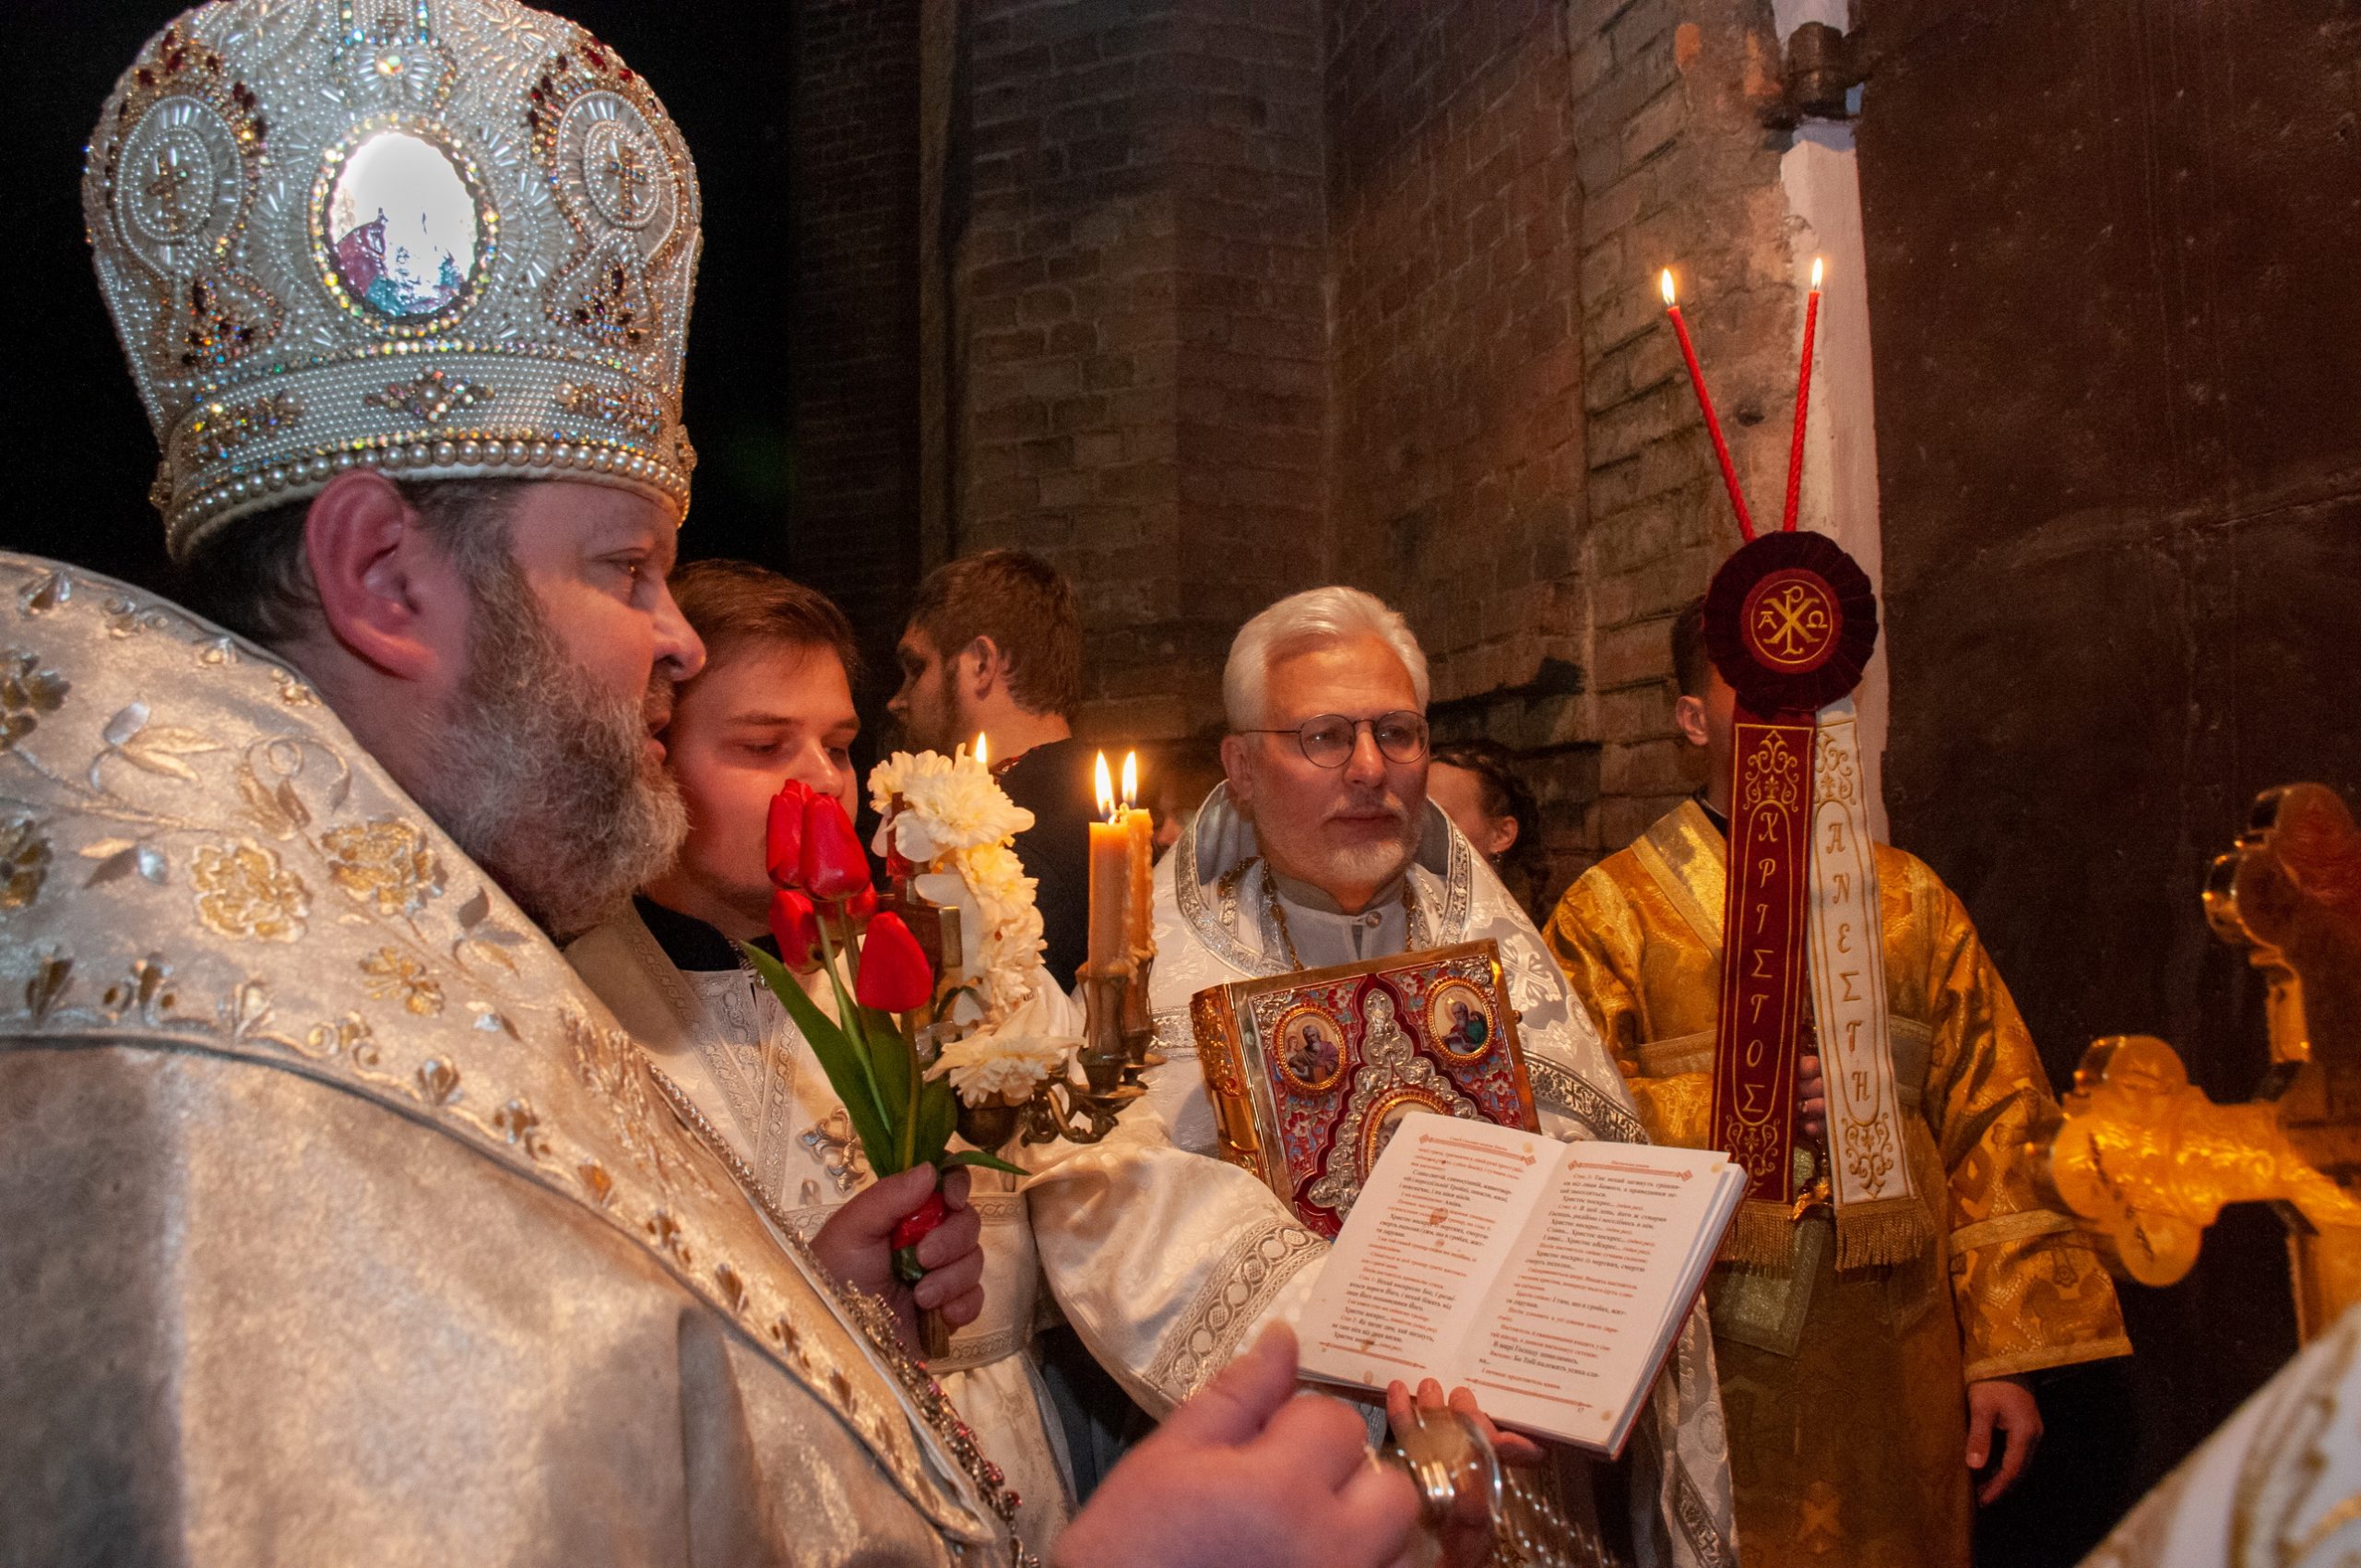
(340, 1223)
(1213, 926)
(2278, 1485)
(725, 1039)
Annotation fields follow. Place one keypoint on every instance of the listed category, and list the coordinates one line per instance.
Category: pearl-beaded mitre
(444, 238)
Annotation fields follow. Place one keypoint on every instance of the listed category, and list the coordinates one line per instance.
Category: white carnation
(946, 803)
(997, 1065)
(948, 816)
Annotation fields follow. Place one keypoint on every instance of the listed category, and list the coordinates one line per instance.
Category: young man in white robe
(774, 702)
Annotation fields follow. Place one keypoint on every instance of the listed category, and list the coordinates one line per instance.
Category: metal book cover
(1311, 1073)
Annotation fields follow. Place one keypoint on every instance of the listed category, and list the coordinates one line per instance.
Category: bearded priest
(343, 1223)
(1861, 1395)
(1320, 848)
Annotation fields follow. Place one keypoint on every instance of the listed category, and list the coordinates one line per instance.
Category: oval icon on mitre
(403, 230)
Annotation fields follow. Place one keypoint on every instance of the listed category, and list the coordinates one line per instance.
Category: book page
(1431, 1229)
(1575, 1327)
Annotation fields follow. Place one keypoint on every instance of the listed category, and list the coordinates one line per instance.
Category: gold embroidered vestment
(1848, 1448)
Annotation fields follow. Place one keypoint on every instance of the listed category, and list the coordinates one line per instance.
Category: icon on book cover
(1311, 1073)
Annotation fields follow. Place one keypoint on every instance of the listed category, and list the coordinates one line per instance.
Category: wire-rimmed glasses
(1327, 739)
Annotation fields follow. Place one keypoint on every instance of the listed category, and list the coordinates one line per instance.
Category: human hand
(1465, 1534)
(2006, 1404)
(1513, 1448)
(1247, 1475)
(1811, 1096)
(856, 1245)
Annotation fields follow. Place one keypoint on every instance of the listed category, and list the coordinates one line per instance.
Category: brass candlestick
(1139, 1024)
(1086, 1113)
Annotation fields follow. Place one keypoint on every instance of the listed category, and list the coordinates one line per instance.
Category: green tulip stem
(849, 1014)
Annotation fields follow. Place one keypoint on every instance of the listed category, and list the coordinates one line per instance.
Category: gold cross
(627, 167)
(169, 185)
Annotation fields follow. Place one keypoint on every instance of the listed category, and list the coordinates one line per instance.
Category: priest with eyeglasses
(1320, 847)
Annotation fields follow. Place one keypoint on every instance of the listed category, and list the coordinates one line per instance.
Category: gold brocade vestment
(339, 1222)
(1850, 1450)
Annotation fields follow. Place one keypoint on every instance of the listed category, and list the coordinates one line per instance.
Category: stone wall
(1246, 297)
(852, 329)
(1675, 171)
(1454, 363)
(1136, 325)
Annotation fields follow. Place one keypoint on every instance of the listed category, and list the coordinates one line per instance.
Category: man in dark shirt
(993, 647)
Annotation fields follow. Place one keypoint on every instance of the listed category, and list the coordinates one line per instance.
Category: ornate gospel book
(1311, 1073)
(1551, 1278)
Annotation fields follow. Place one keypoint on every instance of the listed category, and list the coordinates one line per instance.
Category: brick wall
(1455, 366)
(1247, 296)
(1136, 325)
(853, 324)
(1675, 171)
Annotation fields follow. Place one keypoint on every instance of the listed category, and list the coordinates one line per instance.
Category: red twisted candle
(1713, 425)
(1803, 401)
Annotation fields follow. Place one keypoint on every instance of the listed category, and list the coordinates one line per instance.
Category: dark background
(2112, 261)
(71, 394)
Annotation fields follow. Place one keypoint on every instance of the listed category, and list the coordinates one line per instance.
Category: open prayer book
(1549, 1278)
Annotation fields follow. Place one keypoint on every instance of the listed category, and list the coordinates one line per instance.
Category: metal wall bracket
(1823, 67)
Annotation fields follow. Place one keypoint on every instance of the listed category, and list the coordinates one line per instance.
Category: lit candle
(983, 750)
(1110, 880)
(1142, 828)
(1803, 401)
(1713, 425)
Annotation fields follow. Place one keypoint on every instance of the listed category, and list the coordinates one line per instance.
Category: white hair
(1303, 620)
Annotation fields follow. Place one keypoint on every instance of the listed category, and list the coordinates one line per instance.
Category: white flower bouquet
(948, 825)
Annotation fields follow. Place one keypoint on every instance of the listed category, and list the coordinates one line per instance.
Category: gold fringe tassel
(1882, 1230)
(1886, 1231)
(1760, 1237)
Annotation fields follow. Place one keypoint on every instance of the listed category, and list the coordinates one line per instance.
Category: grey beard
(1379, 862)
(545, 784)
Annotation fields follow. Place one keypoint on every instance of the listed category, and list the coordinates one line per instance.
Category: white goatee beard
(1374, 864)
(546, 784)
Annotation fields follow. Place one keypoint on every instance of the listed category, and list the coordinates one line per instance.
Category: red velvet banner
(1764, 978)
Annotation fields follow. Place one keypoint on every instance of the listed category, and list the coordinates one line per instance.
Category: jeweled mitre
(444, 238)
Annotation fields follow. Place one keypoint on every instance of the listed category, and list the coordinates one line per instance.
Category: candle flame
(983, 750)
(1815, 272)
(1131, 778)
(1664, 281)
(1105, 791)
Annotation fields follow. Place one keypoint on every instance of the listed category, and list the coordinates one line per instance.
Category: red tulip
(783, 841)
(795, 927)
(917, 1224)
(895, 975)
(834, 865)
(861, 906)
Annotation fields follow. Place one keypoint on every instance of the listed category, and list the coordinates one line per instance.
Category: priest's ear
(1237, 772)
(390, 596)
(1689, 717)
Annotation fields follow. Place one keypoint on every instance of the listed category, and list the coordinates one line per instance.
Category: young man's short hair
(1692, 665)
(729, 602)
(1025, 606)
